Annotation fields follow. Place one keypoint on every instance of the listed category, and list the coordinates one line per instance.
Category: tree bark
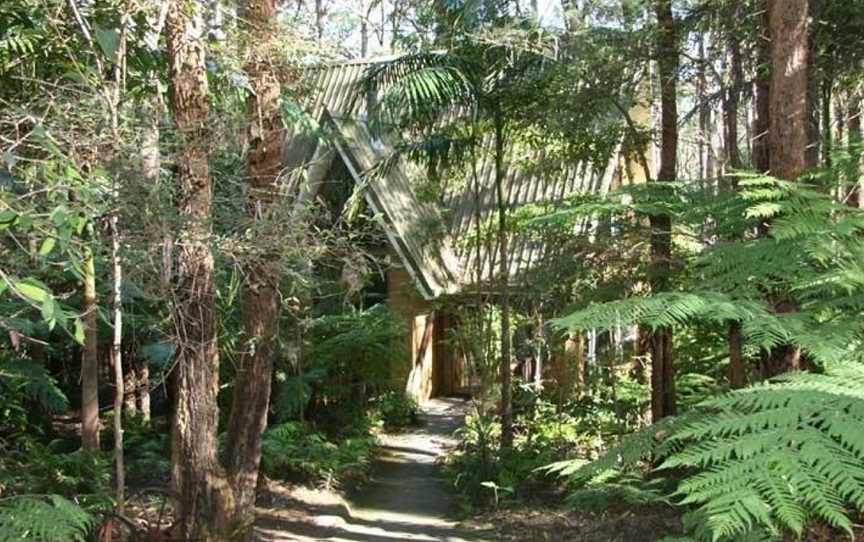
(90, 353)
(827, 85)
(262, 305)
(506, 410)
(117, 362)
(204, 499)
(791, 134)
(792, 137)
(733, 97)
(762, 123)
(853, 124)
(663, 402)
(143, 389)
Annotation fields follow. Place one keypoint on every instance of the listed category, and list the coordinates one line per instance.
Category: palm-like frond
(414, 90)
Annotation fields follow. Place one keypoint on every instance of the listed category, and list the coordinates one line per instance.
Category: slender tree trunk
(151, 166)
(663, 401)
(506, 411)
(262, 305)
(319, 20)
(827, 118)
(117, 362)
(762, 124)
(130, 390)
(733, 97)
(853, 123)
(143, 390)
(704, 113)
(204, 499)
(90, 354)
(365, 11)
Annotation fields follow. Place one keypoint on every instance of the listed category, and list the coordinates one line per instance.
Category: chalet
(426, 268)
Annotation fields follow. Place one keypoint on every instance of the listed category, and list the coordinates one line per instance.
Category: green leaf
(47, 246)
(79, 331)
(49, 311)
(59, 216)
(7, 218)
(109, 41)
(33, 289)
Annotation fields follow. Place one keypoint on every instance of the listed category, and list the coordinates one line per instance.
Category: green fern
(777, 456)
(36, 382)
(43, 519)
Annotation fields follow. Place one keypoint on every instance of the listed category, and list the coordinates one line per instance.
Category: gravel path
(407, 497)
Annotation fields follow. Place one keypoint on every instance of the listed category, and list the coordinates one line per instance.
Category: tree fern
(758, 462)
(43, 519)
(777, 456)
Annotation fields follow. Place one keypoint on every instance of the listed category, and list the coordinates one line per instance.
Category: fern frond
(43, 519)
(777, 456)
(36, 382)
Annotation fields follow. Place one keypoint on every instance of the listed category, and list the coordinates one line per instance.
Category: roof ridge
(357, 61)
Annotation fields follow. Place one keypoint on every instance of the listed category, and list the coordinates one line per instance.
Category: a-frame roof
(429, 238)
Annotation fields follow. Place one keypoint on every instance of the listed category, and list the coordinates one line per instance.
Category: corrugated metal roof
(447, 262)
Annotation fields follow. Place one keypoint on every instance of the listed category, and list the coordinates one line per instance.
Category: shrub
(394, 410)
(292, 450)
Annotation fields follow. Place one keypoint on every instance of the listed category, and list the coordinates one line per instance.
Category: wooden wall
(431, 369)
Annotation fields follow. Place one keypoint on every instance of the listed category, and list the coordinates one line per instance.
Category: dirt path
(407, 497)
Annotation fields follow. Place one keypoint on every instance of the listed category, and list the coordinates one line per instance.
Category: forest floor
(407, 497)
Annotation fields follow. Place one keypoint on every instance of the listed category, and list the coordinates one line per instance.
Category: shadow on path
(407, 497)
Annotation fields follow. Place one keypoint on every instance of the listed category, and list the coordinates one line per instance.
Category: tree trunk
(663, 401)
(504, 283)
(319, 20)
(827, 119)
(762, 123)
(130, 390)
(791, 136)
(117, 362)
(262, 305)
(151, 167)
(853, 123)
(204, 499)
(365, 10)
(90, 353)
(704, 114)
(733, 97)
(737, 375)
(143, 389)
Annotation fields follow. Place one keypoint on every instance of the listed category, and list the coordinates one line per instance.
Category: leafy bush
(146, 448)
(477, 460)
(358, 346)
(292, 450)
(51, 495)
(33, 467)
(394, 410)
(544, 432)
